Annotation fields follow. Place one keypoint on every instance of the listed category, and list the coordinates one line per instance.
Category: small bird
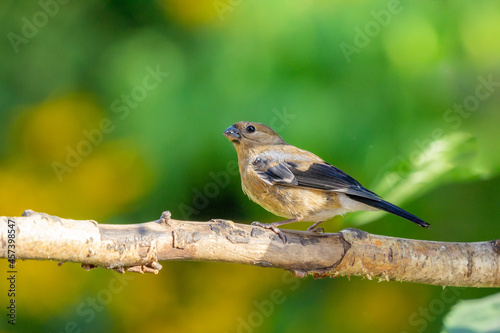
(295, 183)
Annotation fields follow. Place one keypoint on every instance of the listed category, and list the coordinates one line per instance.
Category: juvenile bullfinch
(296, 184)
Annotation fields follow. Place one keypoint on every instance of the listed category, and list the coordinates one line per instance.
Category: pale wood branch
(139, 248)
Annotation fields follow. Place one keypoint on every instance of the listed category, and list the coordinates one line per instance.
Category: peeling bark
(139, 248)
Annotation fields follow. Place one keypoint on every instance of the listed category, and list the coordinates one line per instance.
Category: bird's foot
(272, 227)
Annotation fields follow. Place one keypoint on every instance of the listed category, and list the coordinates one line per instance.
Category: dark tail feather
(388, 207)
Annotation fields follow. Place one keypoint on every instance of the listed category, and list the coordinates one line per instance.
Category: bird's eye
(250, 129)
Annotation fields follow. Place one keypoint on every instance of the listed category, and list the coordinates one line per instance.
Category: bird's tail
(393, 209)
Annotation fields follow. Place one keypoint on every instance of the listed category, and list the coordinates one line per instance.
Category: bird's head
(252, 134)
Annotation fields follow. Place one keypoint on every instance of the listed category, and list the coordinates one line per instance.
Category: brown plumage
(296, 184)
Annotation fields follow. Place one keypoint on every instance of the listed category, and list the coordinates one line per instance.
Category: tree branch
(139, 247)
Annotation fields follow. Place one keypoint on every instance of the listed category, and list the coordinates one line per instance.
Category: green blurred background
(394, 93)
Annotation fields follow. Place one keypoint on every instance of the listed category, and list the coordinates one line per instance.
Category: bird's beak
(232, 133)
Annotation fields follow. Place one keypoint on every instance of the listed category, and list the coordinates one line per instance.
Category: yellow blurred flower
(68, 165)
(108, 180)
(190, 13)
(49, 128)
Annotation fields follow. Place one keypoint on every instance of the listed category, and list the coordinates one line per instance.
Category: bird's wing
(320, 176)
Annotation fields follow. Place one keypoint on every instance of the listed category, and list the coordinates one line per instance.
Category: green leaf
(451, 158)
(474, 316)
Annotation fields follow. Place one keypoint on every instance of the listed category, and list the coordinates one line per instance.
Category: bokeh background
(114, 111)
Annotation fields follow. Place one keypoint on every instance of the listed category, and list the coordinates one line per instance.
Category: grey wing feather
(278, 174)
(320, 176)
(326, 177)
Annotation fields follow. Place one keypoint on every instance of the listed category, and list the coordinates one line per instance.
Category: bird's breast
(290, 201)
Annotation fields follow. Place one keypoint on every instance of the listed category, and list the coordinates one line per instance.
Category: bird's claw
(318, 230)
(273, 228)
